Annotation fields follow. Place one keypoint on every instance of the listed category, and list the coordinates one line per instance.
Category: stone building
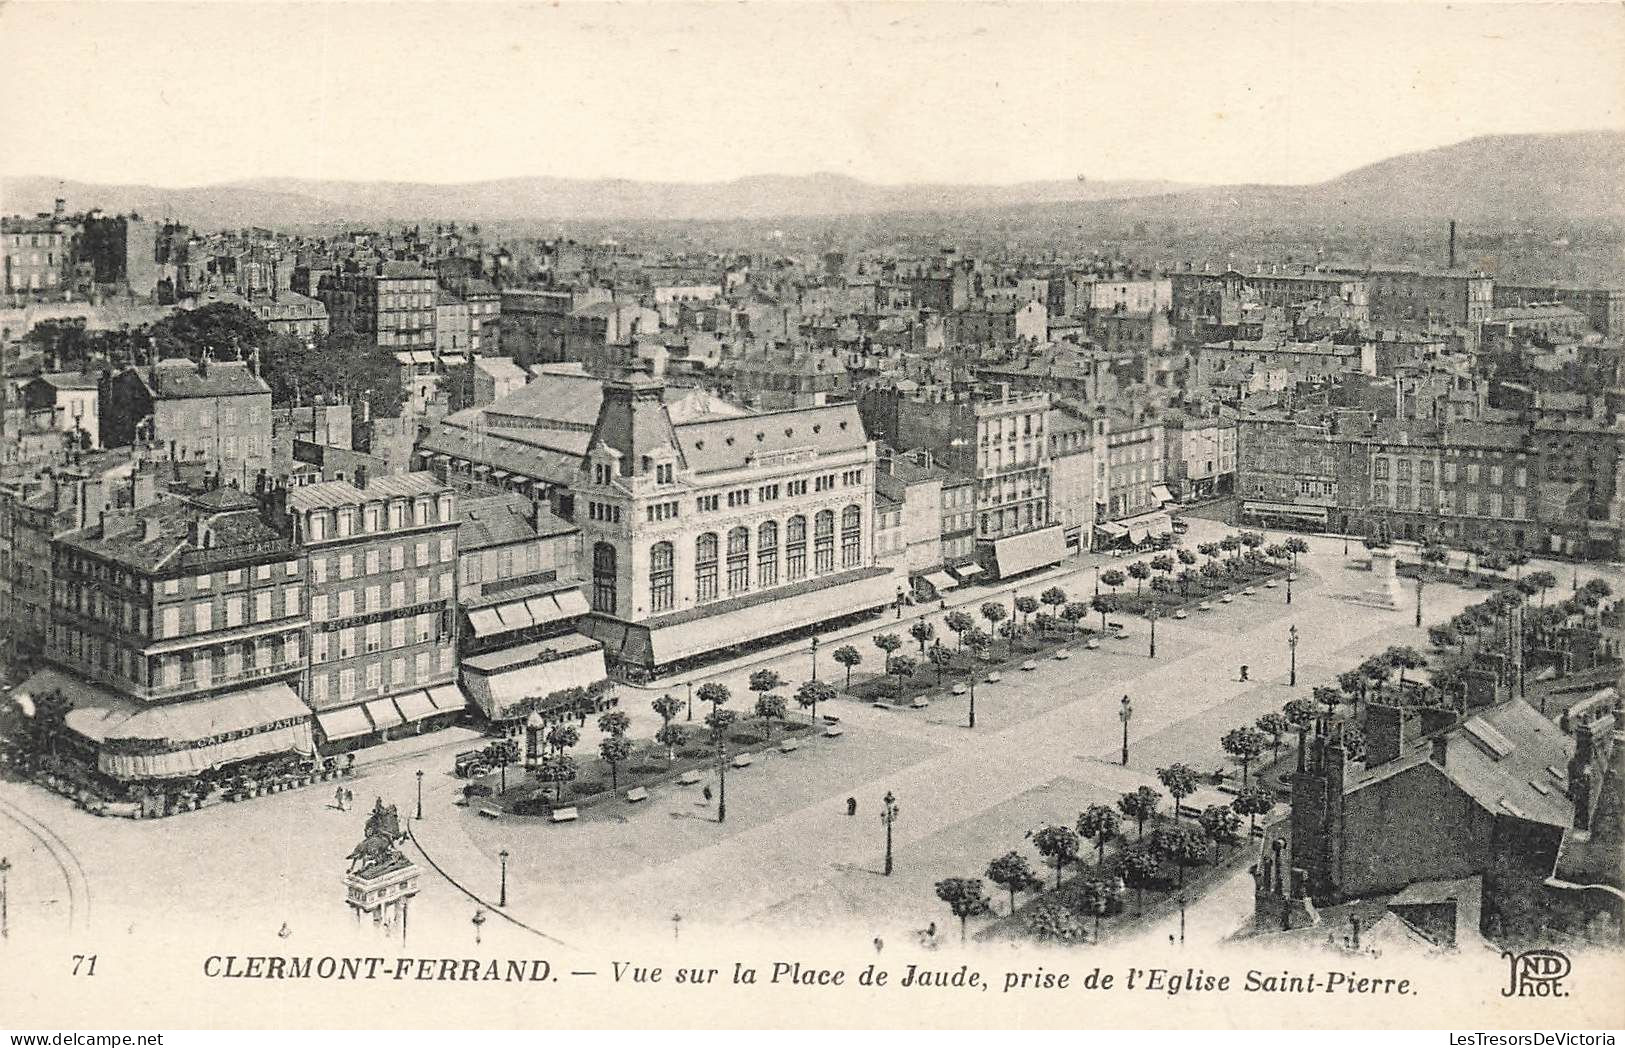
(212, 411)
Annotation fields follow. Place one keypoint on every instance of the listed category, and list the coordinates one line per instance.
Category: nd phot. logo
(1536, 973)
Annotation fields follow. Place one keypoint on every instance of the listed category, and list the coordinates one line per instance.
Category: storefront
(1147, 531)
(135, 742)
(363, 723)
(543, 677)
(742, 621)
(1285, 515)
(1029, 551)
(935, 584)
(508, 620)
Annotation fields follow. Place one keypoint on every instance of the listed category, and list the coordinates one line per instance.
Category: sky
(173, 95)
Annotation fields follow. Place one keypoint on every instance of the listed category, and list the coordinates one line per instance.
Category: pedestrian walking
(879, 944)
(851, 806)
(338, 798)
(707, 791)
(349, 799)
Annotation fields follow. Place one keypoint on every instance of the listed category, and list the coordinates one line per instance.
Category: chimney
(1441, 749)
(360, 478)
(1452, 244)
(149, 529)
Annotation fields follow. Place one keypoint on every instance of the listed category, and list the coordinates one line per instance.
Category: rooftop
(335, 493)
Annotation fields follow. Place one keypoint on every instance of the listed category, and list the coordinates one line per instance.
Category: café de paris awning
(136, 741)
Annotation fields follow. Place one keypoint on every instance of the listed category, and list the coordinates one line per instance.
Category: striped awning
(346, 723)
(447, 698)
(485, 622)
(941, 581)
(967, 571)
(415, 705)
(383, 714)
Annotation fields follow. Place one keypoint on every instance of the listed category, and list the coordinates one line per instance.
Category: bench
(833, 732)
(491, 813)
(565, 815)
(880, 705)
(688, 778)
(789, 746)
(743, 760)
(637, 793)
(919, 704)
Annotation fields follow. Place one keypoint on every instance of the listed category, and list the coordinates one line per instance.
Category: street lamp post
(502, 898)
(973, 700)
(478, 921)
(815, 658)
(1097, 580)
(420, 793)
(1420, 582)
(722, 780)
(1152, 615)
(690, 686)
(1181, 919)
(1289, 586)
(5, 898)
(888, 815)
(1292, 645)
(1125, 713)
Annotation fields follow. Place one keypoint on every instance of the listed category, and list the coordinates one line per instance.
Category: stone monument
(1379, 588)
(381, 881)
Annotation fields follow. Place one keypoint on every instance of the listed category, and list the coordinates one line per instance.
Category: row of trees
(1138, 865)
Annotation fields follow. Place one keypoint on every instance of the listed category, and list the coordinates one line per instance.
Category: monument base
(1381, 588)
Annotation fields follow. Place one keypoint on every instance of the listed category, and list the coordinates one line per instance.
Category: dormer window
(420, 512)
(601, 473)
(317, 526)
(397, 514)
(346, 522)
(445, 507)
(370, 518)
(663, 473)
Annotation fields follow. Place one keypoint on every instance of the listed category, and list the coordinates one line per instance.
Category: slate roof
(500, 520)
(335, 493)
(176, 379)
(1511, 780)
(714, 445)
(122, 538)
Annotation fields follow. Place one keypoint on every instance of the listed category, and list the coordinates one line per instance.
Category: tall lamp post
(502, 898)
(1420, 582)
(815, 658)
(1151, 614)
(1125, 713)
(888, 816)
(722, 776)
(1097, 580)
(1292, 645)
(1289, 577)
(478, 921)
(973, 700)
(5, 898)
(420, 794)
(690, 686)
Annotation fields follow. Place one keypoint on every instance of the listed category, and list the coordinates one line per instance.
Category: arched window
(851, 537)
(705, 566)
(660, 577)
(603, 577)
(738, 561)
(795, 549)
(824, 541)
(767, 554)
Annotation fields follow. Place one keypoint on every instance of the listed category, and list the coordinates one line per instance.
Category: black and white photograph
(812, 515)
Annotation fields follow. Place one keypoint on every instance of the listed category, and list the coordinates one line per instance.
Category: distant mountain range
(1502, 178)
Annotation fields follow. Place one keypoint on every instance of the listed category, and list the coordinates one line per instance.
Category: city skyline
(888, 94)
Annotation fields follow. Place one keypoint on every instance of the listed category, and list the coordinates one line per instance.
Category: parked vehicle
(471, 764)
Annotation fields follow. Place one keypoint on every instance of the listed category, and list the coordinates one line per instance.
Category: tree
(976, 640)
(1105, 603)
(1139, 869)
(1251, 539)
(1230, 544)
(771, 708)
(1404, 657)
(1112, 578)
(1300, 713)
(1185, 579)
(1328, 697)
(1185, 845)
(922, 631)
(1244, 744)
(1058, 845)
(1026, 605)
(614, 722)
(716, 694)
(1275, 726)
(901, 667)
(1179, 781)
(1186, 557)
(1163, 563)
(1517, 558)
(1094, 896)
(887, 643)
(960, 623)
(1222, 826)
(719, 721)
(561, 737)
(670, 736)
(1210, 550)
(1054, 598)
(763, 682)
(1139, 571)
(811, 693)
(615, 749)
(1276, 551)
(1296, 547)
(1544, 580)
(1375, 670)
(1099, 823)
(965, 898)
(1252, 802)
(1054, 922)
(941, 657)
(994, 613)
(1011, 872)
(1073, 612)
(1140, 805)
(667, 707)
(848, 656)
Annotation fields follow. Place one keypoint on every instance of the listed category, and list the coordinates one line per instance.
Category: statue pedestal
(1380, 588)
(383, 893)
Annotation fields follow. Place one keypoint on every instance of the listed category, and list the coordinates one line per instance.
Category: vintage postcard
(812, 515)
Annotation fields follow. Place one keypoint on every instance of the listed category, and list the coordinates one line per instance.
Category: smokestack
(1452, 243)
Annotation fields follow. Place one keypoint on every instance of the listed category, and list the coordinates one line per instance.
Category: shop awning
(968, 571)
(383, 714)
(415, 705)
(1161, 493)
(447, 698)
(1110, 530)
(485, 622)
(344, 724)
(1032, 549)
(941, 581)
(571, 603)
(496, 694)
(774, 614)
(1138, 534)
(515, 616)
